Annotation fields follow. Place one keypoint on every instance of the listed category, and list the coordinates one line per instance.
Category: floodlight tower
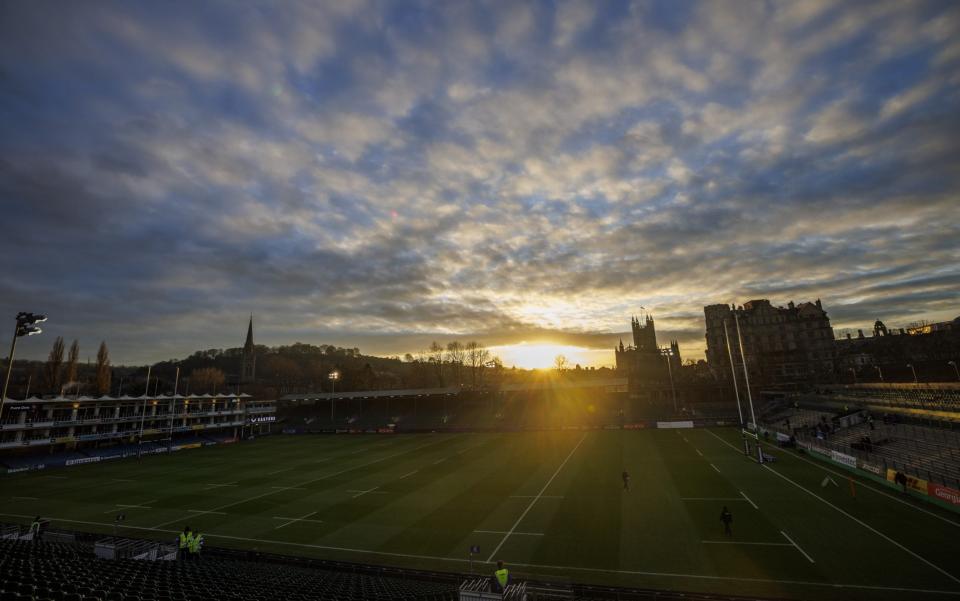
(334, 376)
(26, 326)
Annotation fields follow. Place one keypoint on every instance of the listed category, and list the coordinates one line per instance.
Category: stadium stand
(71, 571)
(926, 447)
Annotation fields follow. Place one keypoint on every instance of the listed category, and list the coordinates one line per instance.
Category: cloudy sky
(383, 174)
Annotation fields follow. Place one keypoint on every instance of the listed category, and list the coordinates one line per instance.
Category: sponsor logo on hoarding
(843, 458)
(262, 419)
(681, 424)
(945, 493)
(83, 460)
(870, 467)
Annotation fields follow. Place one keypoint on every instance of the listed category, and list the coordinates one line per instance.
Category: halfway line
(533, 502)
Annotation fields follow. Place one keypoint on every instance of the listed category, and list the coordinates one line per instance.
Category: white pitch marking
(209, 486)
(277, 517)
(748, 500)
(698, 451)
(537, 498)
(295, 520)
(711, 499)
(202, 511)
(522, 565)
(715, 468)
(288, 487)
(439, 461)
(504, 532)
(534, 497)
(684, 438)
(810, 559)
(743, 542)
(360, 493)
(311, 481)
(862, 523)
(406, 475)
(820, 465)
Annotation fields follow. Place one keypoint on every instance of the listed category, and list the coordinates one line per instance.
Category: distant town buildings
(783, 345)
(889, 353)
(795, 347)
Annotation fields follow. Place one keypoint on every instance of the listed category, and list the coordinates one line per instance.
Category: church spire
(248, 361)
(248, 345)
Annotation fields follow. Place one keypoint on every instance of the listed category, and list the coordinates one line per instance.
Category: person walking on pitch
(726, 518)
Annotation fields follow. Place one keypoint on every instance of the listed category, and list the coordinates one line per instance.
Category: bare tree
(560, 364)
(477, 356)
(207, 379)
(73, 358)
(456, 354)
(54, 363)
(436, 357)
(103, 368)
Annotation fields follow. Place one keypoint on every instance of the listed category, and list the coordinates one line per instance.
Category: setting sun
(542, 355)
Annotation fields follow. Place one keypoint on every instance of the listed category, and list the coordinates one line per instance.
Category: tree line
(66, 377)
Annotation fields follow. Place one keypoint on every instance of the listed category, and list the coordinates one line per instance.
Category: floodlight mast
(26, 326)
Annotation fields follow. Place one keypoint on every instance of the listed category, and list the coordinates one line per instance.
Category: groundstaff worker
(726, 518)
(184, 541)
(196, 543)
(501, 578)
(35, 528)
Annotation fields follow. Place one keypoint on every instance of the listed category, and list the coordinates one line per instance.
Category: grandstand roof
(548, 384)
(373, 394)
(106, 399)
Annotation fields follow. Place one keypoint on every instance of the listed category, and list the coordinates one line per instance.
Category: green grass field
(550, 504)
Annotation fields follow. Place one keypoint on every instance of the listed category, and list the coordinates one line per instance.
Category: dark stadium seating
(923, 447)
(70, 572)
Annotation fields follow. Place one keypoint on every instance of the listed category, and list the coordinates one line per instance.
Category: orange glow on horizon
(542, 355)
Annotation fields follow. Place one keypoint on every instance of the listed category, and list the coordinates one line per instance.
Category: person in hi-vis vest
(184, 541)
(196, 543)
(501, 578)
(35, 528)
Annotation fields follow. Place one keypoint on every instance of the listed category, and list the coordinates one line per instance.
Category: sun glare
(543, 355)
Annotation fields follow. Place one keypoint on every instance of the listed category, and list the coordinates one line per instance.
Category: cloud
(392, 174)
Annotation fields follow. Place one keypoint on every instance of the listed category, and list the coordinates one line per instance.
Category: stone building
(889, 353)
(784, 346)
(645, 361)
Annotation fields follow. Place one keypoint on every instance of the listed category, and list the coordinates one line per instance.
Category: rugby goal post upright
(746, 378)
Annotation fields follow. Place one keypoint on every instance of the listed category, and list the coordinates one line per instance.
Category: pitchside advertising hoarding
(937, 491)
(944, 493)
(843, 458)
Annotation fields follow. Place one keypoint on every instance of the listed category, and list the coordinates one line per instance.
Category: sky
(384, 174)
